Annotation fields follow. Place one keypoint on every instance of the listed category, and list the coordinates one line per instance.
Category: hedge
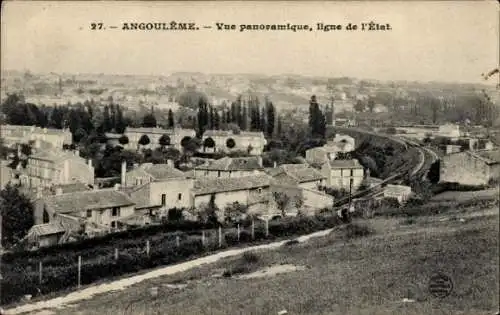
(20, 270)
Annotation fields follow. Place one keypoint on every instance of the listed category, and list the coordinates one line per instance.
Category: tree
(209, 143)
(270, 118)
(433, 174)
(359, 106)
(282, 200)
(144, 140)
(123, 140)
(149, 121)
(171, 123)
(230, 143)
(164, 140)
(371, 105)
(17, 215)
(208, 213)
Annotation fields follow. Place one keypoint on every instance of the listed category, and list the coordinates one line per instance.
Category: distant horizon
(490, 83)
(429, 41)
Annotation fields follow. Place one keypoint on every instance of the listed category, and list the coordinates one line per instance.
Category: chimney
(59, 191)
(124, 171)
(89, 163)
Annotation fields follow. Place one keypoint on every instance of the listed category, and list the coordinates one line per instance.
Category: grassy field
(342, 275)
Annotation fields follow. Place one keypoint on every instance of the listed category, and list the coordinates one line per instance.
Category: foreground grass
(360, 275)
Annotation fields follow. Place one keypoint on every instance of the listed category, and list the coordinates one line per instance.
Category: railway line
(402, 175)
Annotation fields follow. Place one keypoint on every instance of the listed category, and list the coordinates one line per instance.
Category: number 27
(96, 26)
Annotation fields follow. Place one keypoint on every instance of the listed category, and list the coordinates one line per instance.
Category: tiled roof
(87, 200)
(53, 155)
(227, 133)
(205, 186)
(232, 164)
(71, 188)
(301, 173)
(150, 130)
(217, 133)
(345, 164)
(162, 171)
(46, 229)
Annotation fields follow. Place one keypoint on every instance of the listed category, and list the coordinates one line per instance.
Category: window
(218, 173)
(115, 212)
(46, 218)
(89, 213)
(259, 190)
(179, 196)
(113, 224)
(352, 172)
(163, 199)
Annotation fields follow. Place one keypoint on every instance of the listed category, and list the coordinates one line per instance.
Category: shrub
(355, 230)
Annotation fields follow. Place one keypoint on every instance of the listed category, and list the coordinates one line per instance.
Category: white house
(343, 174)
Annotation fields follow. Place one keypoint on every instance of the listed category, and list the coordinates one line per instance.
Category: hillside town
(347, 164)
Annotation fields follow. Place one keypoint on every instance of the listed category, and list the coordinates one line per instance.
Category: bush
(20, 274)
(355, 230)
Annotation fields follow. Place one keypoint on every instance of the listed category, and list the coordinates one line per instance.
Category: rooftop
(233, 164)
(227, 133)
(301, 173)
(87, 200)
(45, 229)
(162, 171)
(204, 186)
(53, 155)
(71, 188)
(345, 164)
(491, 156)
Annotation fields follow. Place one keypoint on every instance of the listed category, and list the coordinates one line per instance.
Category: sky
(429, 41)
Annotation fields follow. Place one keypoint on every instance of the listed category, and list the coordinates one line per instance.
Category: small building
(16, 134)
(230, 167)
(227, 140)
(345, 143)
(100, 209)
(399, 192)
(320, 155)
(44, 235)
(49, 168)
(449, 131)
(157, 188)
(471, 167)
(225, 191)
(300, 175)
(343, 174)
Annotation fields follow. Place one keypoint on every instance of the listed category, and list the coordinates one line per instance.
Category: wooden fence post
(40, 272)
(116, 253)
(253, 229)
(203, 238)
(220, 236)
(79, 271)
(267, 227)
(238, 232)
(177, 241)
(147, 248)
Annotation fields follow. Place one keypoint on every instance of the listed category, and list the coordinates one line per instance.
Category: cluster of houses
(68, 203)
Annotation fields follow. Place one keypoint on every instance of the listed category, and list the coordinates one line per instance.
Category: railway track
(402, 175)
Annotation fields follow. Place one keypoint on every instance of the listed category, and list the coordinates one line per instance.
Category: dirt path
(121, 284)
